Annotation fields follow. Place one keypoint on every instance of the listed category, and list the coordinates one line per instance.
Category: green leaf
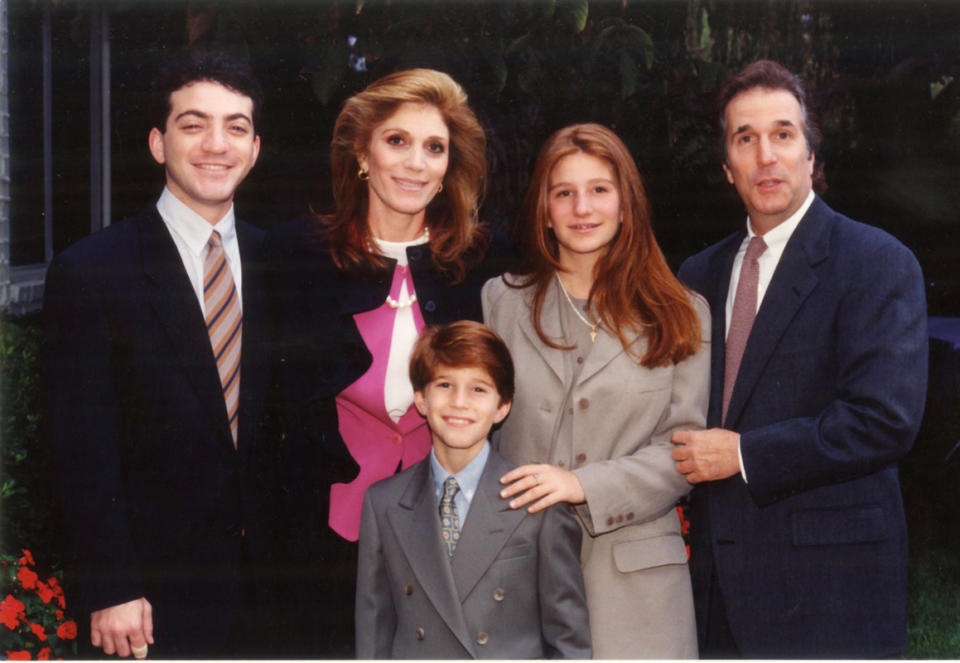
(575, 13)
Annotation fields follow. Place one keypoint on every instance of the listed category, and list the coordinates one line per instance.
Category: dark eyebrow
(193, 113)
(746, 127)
(207, 116)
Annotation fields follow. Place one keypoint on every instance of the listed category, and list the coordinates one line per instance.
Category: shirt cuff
(743, 470)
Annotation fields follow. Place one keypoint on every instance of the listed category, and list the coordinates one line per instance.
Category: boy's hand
(544, 483)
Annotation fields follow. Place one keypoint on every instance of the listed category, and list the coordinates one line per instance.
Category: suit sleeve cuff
(743, 469)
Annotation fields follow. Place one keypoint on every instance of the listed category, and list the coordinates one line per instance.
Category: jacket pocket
(649, 552)
(864, 523)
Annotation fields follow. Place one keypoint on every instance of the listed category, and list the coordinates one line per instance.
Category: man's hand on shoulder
(122, 629)
(706, 455)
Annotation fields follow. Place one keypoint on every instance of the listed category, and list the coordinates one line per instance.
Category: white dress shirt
(191, 232)
(776, 240)
(397, 390)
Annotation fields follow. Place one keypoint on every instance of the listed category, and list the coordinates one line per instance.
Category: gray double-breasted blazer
(512, 590)
(622, 416)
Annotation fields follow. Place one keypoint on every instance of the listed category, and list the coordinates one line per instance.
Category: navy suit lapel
(416, 524)
(793, 281)
(721, 264)
(179, 315)
(490, 523)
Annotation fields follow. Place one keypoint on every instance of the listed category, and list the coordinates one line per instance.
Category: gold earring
(440, 188)
(363, 175)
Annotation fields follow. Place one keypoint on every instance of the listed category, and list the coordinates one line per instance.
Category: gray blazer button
(584, 403)
(482, 638)
(581, 458)
(420, 633)
(498, 594)
(408, 589)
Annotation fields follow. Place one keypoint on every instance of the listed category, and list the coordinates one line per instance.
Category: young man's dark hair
(200, 65)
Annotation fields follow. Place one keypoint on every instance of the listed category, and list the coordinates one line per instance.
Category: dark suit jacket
(512, 590)
(811, 553)
(156, 495)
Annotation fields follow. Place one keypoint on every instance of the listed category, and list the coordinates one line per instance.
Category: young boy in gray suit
(446, 568)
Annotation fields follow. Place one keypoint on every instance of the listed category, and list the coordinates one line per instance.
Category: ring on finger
(536, 478)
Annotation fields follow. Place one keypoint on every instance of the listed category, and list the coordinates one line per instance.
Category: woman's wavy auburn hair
(634, 292)
(457, 239)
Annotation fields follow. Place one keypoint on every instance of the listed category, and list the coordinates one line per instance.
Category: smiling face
(768, 159)
(583, 207)
(406, 159)
(207, 147)
(461, 406)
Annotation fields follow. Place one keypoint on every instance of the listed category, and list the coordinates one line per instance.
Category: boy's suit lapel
(416, 524)
(490, 523)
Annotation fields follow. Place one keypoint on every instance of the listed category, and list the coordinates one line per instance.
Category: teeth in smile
(457, 421)
(407, 184)
(210, 166)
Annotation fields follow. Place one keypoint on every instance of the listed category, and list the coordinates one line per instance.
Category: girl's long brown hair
(634, 292)
(457, 240)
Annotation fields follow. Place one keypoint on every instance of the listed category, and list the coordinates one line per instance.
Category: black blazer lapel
(416, 524)
(793, 281)
(490, 523)
(255, 349)
(179, 315)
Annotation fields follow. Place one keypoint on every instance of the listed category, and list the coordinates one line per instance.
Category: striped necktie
(224, 324)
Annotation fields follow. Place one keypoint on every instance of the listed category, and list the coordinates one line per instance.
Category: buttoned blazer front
(156, 495)
(811, 552)
(623, 417)
(512, 590)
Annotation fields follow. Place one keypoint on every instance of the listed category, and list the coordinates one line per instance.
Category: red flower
(38, 631)
(67, 630)
(44, 591)
(59, 615)
(44, 654)
(27, 558)
(23, 655)
(27, 578)
(11, 612)
(688, 552)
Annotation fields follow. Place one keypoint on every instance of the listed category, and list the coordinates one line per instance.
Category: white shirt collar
(398, 250)
(779, 234)
(192, 228)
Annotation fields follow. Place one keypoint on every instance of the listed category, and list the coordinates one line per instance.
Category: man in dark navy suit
(799, 543)
(155, 373)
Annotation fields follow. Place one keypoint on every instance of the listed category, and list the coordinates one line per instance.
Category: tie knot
(214, 240)
(450, 488)
(755, 248)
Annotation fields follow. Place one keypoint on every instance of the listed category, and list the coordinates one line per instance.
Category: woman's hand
(544, 483)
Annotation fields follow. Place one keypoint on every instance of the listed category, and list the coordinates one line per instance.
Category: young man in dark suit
(799, 543)
(155, 374)
(446, 568)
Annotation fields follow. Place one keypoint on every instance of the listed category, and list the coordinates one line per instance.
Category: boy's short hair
(198, 65)
(463, 344)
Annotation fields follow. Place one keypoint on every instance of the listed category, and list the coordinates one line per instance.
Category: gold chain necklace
(593, 327)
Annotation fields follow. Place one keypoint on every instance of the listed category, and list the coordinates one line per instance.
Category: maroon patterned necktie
(224, 324)
(741, 320)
